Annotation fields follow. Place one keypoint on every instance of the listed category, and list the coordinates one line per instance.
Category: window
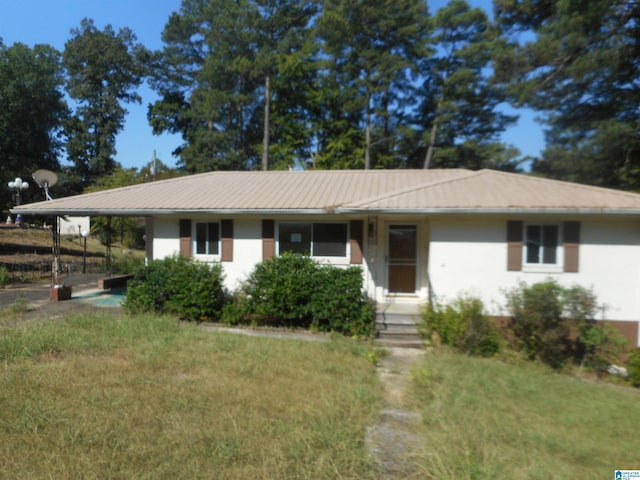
(317, 239)
(207, 238)
(329, 240)
(542, 244)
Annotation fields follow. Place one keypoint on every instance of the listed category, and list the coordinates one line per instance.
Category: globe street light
(17, 186)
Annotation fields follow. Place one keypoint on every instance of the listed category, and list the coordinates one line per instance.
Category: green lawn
(486, 419)
(117, 397)
(142, 398)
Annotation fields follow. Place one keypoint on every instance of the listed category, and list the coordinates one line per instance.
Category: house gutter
(489, 211)
(147, 212)
(144, 212)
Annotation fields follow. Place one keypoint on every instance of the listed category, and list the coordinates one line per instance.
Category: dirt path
(393, 440)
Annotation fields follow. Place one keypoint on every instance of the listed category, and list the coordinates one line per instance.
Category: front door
(402, 258)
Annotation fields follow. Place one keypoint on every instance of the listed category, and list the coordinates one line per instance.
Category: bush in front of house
(176, 285)
(279, 291)
(539, 327)
(555, 324)
(633, 367)
(338, 303)
(462, 324)
(294, 291)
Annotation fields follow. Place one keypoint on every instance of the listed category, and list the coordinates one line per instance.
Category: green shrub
(5, 276)
(555, 324)
(279, 291)
(600, 345)
(539, 328)
(127, 264)
(338, 303)
(463, 325)
(192, 290)
(297, 292)
(633, 367)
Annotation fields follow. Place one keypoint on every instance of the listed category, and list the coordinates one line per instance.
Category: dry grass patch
(142, 398)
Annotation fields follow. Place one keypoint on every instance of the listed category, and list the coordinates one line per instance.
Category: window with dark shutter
(226, 234)
(514, 246)
(571, 244)
(268, 239)
(185, 238)
(355, 240)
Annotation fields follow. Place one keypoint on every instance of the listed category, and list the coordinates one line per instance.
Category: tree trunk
(433, 136)
(265, 134)
(367, 136)
(432, 140)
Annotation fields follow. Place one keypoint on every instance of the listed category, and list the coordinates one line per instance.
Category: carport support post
(108, 258)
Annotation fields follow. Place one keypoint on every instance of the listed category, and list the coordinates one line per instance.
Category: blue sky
(50, 21)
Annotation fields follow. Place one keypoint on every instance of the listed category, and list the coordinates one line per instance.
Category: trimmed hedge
(294, 291)
(192, 290)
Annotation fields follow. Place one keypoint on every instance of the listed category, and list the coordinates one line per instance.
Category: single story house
(417, 234)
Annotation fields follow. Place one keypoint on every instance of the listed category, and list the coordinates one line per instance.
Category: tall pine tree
(577, 63)
(225, 76)
(459, 108)
(371, 54)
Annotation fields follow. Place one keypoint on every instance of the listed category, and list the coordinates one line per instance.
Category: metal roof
(344, 191)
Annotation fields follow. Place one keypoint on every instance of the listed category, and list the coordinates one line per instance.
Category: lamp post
(17, 186)
(84, 234)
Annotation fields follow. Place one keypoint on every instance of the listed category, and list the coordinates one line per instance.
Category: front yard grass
(118, 397)
(487, 419)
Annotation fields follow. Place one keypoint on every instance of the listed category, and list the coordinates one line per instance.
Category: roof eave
(148, 212)
(489, 211)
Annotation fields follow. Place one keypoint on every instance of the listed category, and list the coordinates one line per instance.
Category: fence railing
(29, 272)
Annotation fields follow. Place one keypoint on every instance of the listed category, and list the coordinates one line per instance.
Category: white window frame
(539, 266)
(207, 255)
(326, 259)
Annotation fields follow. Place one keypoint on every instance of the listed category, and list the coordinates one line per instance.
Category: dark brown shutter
(268, 239)
(185, 238)
(355, 240)
(571, 240)
(514, 246)
(227, 240)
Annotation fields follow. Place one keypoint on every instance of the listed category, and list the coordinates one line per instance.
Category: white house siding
(166, 237)
(247, 243)
(469, 256)
(247, 251)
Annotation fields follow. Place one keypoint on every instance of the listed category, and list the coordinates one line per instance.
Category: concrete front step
(415, 342)
(397, 326)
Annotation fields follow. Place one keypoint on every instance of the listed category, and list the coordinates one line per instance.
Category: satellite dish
(45, 179)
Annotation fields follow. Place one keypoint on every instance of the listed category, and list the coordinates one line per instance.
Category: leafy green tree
(577, 63)
(32, 109)
(127, 229)
(371, 52)
(104, 70)
(225, 76)
(458, 109)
